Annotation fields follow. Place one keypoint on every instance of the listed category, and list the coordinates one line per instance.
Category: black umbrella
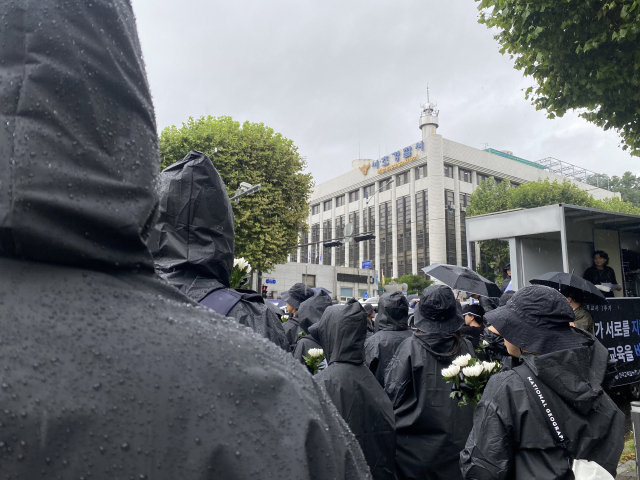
(557, 280)
(462, 278)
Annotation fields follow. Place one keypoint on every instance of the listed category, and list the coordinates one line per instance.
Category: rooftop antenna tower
(428, 118)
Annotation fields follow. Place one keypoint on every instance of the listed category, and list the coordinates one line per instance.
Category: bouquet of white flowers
(315, 358)
(470, 377)
(239, 277)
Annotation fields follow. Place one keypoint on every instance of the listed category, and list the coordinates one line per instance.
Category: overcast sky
(345, 78)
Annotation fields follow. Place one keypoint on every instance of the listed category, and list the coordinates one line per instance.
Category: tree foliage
(267, 222)
(490, 198)
(582, 54)
(628, 186)
(415, 283)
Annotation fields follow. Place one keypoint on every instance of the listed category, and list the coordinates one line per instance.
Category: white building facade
(413, 201)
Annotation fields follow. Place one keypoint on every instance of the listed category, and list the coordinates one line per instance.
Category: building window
(464, 175)
(354, 247)
(339, 201)
(514, 185)
(403, 215)
(386, 239)
(450, 225)
(315, 209)
(304, 250)
(293, 256)
(309, 280)
(369, 226)
(385, 184)
(327, 205)
(369, 190)
(315, 244)
(448, 170)
(402, 178)
(465, 199)
(346, 293)
(354, 196)
(421, 171)
(327, 234)
(482, 177)
(340, 234)
(422, 230)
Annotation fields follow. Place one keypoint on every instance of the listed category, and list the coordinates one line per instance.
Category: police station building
(413, 201)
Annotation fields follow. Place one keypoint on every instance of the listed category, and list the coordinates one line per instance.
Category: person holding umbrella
(583, 320)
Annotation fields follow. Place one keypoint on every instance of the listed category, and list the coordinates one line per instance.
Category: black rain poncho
(292, 330)
(309, 313)
(510, 439)
(431, 428)
(193, 242)
(107, 371)
(391, 330)
(354, 390)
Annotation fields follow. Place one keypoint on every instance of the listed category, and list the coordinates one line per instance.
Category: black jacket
(505, 284)
(431, 428)
(193, 241)
(510, 439)
(597, 277)
(309, 313)
(391, 330)
(107, 370)
(292, 330)
(354, 390)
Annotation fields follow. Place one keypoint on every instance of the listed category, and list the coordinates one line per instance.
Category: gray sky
(339, 76)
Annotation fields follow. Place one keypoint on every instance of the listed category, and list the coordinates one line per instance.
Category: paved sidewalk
(627, 471)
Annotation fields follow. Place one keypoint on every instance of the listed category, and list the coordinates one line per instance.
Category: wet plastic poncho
(353, 388)
(292, 330)
(510, 438)
(431, 428)
(193, 241)
(108, 371)
(391, 330)
(309, 313)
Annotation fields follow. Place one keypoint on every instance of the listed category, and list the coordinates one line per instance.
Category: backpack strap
(536, 391)
(221, 300)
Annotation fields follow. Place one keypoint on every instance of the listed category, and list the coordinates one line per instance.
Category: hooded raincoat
(431, 428)
(310, 313)
(108, 371)
(193, 242)
(391, 330)
(354, 390)
(510, 439)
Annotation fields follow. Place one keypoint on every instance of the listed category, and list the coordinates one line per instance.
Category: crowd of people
(126, 354)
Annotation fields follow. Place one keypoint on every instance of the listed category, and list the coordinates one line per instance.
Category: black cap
(473, 309)
(368, 308)
(536, 319)
(438, 311)
(297, 294)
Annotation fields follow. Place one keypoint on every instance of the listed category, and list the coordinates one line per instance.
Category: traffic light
(264, 291)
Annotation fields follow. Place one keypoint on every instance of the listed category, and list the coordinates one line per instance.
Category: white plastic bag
(586, 470)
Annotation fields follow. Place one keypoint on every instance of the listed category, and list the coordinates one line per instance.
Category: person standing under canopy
(504, 286)
(353, 388)
(511, 438)
(600, 272)
(392, 329)
(193, 245)
(108, 372)
(297, 294)
(431, 428)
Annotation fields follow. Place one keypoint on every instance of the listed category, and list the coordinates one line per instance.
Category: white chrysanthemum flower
(462, 360)
(316, 352)
(489, 366)
(241, 263)
(473, 371)
(485, 343)
(451, 371)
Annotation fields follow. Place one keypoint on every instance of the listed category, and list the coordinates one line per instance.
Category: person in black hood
(107, 370)
(294, 297)
(473, 328)
(510, 437)
(353, 388)
(392, 329)
(309, 313)
(193, 245)
(371, 314)
(507, 277)
(431, 428)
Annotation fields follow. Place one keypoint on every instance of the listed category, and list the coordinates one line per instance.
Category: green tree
(267, 223)
(628, 186)
(582, 54)
(415, 283)
(490, 198)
